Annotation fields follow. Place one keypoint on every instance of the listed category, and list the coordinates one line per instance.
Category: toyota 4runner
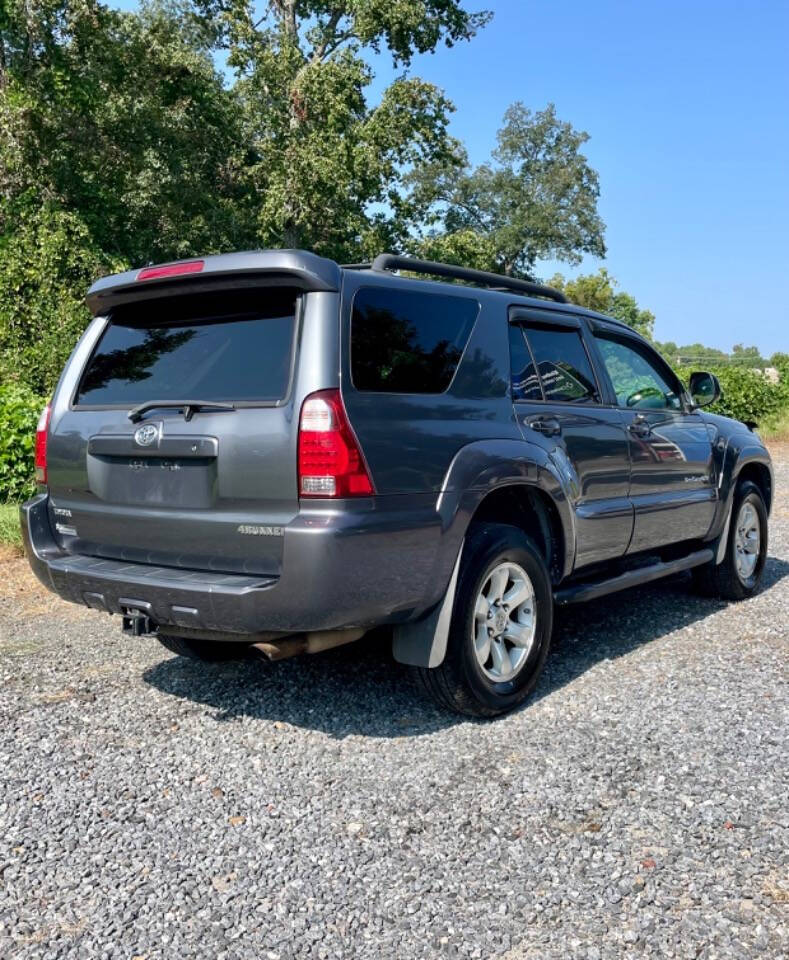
(269, 451)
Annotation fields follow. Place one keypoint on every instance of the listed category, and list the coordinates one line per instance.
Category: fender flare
(739, 453)
(476, 471)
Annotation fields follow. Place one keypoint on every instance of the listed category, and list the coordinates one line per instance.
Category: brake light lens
(41, 444)
(171, 270)
(330, 459)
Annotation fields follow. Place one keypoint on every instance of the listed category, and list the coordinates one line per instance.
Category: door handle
(547, 426)
(640, 427)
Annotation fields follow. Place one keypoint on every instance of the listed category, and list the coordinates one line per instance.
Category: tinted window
(406, 342)
(565, 371)
(525, 382)
(637, 381)
(216, 347)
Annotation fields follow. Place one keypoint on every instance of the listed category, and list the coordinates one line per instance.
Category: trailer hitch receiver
(137, 623)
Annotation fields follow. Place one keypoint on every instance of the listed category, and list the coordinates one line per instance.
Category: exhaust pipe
(300, 643)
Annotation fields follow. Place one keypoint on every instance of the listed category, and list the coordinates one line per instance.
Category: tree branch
(454, 202)
(285, 10)
(331, 39)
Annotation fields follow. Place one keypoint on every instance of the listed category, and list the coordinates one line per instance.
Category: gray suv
(267, 451)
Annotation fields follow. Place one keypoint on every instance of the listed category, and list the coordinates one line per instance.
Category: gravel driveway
(151, 807)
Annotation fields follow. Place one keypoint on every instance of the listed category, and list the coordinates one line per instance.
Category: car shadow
(360, 690)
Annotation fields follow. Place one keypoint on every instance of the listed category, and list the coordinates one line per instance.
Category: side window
(525, 382)
(563, 365)
(637, 380)
(408, 342)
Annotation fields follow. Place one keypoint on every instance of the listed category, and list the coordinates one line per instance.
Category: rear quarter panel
(410, 440)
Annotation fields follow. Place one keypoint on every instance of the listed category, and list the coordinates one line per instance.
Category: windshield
(227, 347)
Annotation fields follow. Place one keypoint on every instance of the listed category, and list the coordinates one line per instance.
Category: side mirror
(704, 388)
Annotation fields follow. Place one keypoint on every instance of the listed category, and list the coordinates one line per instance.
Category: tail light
(330, 460)
(41, 444)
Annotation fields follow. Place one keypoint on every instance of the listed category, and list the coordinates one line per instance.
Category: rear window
(220, 347)
(408, 342)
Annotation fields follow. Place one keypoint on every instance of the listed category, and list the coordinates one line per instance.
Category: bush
(47, 263)
(748, 395)
(20, 408)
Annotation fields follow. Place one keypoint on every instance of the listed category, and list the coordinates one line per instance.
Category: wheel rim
(505, 622)
(747, 541)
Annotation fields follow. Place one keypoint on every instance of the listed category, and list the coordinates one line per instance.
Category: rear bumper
(340, 569)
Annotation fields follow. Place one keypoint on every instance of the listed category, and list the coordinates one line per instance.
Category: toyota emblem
(146, 435)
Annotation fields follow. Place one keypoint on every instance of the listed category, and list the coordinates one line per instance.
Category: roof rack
(392, 261)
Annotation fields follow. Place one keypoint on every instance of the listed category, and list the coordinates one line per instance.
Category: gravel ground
(152, 807)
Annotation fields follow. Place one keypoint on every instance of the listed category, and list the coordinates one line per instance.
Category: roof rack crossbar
(391, 261)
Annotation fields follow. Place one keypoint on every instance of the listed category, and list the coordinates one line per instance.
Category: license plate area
(188, 483)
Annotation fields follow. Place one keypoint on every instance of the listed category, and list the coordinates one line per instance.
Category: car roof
(511, 298)
(307, 271)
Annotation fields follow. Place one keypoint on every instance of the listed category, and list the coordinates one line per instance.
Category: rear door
(558, 404)
(673, 486)
(208, 484)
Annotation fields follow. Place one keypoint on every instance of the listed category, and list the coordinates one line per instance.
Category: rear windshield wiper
(190, 407)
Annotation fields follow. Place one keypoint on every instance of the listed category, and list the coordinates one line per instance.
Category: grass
(10, 534)
(776, 428)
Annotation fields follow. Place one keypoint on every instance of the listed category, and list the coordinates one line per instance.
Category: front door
(558, 405)
(672, 487)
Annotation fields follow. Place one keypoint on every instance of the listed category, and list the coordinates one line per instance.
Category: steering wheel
(646, 393)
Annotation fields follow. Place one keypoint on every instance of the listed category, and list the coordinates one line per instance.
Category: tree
(122, 120)
(536, 199)
(328, 169)
(597, 291)
(121, 142)
(46, 265)
(697, 355)
(747, 356)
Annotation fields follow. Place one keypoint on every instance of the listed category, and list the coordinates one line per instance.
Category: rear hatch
(176, 443)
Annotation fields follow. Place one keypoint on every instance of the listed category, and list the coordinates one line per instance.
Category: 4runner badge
(252, 530)
(146, 435)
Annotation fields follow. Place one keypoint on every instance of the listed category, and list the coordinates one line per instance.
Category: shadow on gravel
(359, 690)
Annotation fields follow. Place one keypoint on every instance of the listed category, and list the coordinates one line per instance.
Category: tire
(462, 683)
(727, 580)
(209, 651)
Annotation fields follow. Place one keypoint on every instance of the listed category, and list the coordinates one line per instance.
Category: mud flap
(423, 643)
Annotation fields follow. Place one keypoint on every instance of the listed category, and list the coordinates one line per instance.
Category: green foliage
(696, 354)
(748, 356)
(747, 395)
(122, 120)
(781, 362)
(328, 169)
(20, 409)
(536, 200)
(597, 291)
(776, 427)
(47, 262)
(122, 143)
(10, 533)
(330, 188)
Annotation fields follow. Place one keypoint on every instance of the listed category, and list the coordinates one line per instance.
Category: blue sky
(687, 105)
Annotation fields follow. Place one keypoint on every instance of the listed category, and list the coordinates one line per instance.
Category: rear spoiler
(292, 268)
